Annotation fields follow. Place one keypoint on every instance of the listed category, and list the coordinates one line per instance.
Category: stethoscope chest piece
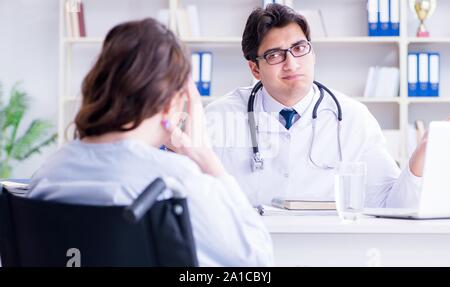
(257, 162)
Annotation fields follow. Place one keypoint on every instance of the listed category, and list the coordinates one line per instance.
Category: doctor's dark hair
(140, 68)
(262, 20)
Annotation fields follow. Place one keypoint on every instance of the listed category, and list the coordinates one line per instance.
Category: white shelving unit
(342, 59)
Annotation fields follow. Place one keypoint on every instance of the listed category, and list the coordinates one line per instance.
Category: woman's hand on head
(192, 139)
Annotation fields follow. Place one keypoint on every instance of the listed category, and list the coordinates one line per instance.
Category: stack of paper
(17, 187)
(382, 82)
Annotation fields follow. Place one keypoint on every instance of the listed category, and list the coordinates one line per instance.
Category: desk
(326, 241)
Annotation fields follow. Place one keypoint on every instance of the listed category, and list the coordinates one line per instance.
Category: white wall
(29, 53)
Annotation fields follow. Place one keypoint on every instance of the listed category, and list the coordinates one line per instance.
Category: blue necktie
(288, 115)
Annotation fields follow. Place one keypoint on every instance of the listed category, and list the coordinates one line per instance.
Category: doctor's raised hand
(188, 134)
(416, 161)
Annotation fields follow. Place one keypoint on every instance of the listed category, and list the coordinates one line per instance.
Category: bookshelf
(342, 58)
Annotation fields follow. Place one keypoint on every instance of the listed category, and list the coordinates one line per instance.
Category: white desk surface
(327, 241)
(366, 225)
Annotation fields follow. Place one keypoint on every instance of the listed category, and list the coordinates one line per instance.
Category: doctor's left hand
(417, 159)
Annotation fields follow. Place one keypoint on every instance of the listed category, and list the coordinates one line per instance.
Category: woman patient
(134, 98)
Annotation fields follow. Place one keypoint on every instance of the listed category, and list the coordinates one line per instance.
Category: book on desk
(297, 204)
(282, 206)
(267, 210)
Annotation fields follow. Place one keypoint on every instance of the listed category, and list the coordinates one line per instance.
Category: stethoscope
(258, 161)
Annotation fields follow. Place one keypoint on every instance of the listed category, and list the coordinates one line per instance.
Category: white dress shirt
(226, 229)
(288, 172)
(271, 105)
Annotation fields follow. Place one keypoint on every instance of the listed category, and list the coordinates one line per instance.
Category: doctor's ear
(254, 69)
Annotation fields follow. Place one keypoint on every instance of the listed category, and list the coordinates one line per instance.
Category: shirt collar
(271, 105)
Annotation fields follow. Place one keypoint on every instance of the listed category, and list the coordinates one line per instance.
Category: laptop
(434, 201)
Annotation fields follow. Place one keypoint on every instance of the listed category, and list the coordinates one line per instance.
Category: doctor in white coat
(294, 160)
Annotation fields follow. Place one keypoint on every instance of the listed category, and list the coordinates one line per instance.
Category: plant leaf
(1, 96)
(37, 149)
(28, 144)
(14, 111)
(2, 120)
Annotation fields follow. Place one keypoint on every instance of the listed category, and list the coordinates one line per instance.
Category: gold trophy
(423, 9)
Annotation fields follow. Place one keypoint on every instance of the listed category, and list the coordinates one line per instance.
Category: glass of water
(349, 189)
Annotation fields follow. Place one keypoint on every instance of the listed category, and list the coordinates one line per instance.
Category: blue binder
(195, 62)
(434, 74)
(267, 2)
(384, 18)
(373, 18)
(413, 75)
(205, 73)
(424, 71)
(394, 17)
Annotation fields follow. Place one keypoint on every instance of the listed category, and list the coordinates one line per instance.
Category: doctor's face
(290, 80)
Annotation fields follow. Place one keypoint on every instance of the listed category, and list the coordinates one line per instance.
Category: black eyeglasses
(274, 57)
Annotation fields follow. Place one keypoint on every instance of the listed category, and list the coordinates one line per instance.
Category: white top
(288, 171)
(227, 230)
(366, 225)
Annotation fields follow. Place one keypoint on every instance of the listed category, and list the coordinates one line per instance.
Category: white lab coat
(287, 169)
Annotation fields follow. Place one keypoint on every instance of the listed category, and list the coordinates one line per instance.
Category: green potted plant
(20, 147)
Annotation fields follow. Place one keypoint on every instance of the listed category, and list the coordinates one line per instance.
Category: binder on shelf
(382, 82)
(434, 74)
(315, 20)
(205, 73)
(372, 8)
(182, 21)
(384, 18)
(394, 17)
(267, 2)
(81, 24)
(413, 77)
(73, 14)
(68, 18)
(195, 62)
(187, 22)
(194, 22)
(202, 71)
(75, 23)
(424, 78)
(370, 82)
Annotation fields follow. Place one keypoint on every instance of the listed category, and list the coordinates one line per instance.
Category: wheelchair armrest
(145, 201)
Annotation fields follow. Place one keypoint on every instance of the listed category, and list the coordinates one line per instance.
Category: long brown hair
(139, 70)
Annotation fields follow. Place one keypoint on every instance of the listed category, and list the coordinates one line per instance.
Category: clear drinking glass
(349, 189)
